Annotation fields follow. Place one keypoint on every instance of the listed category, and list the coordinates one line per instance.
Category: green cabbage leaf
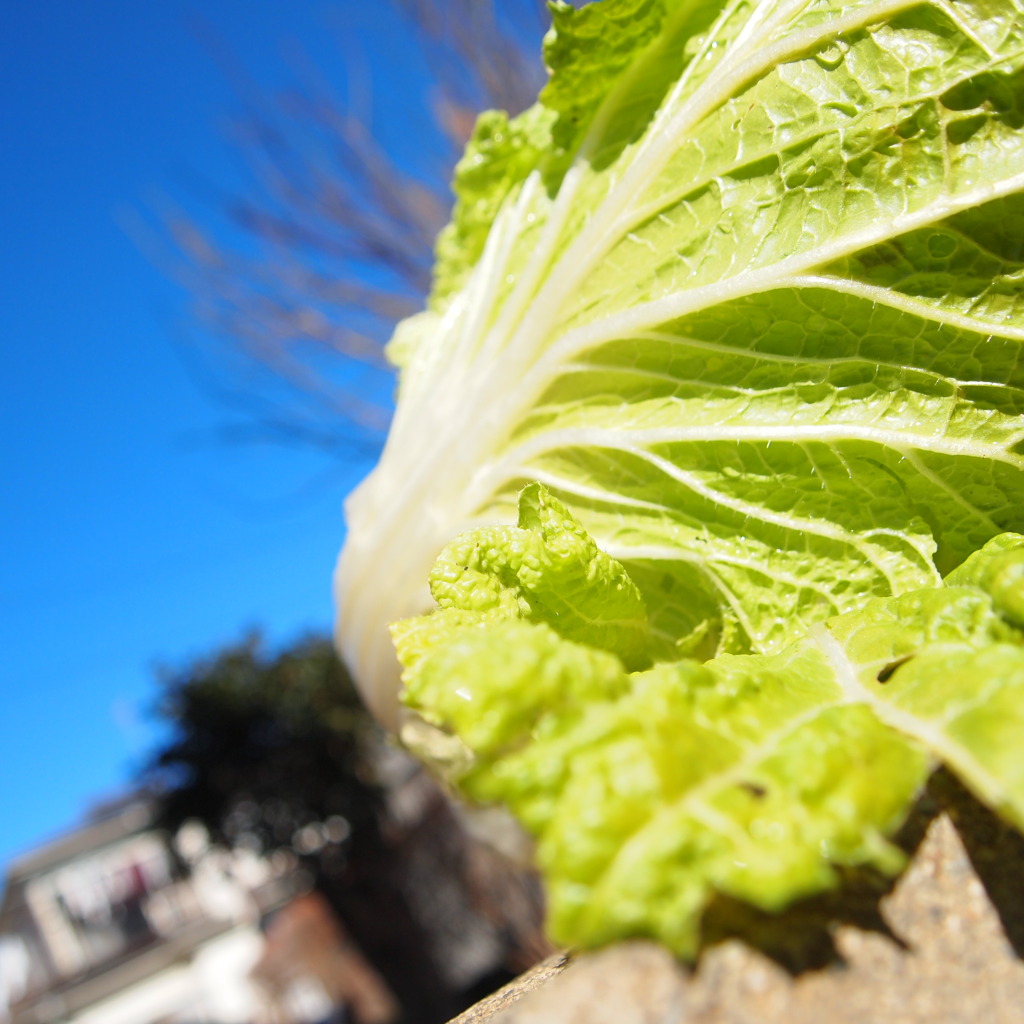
(744, 291)
(753, 776)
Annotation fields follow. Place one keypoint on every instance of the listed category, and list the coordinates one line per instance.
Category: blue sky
(131, 536)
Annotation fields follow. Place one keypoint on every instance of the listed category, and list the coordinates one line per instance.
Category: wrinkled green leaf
(755, 776)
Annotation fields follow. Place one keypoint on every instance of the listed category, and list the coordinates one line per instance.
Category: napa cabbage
(708, 451)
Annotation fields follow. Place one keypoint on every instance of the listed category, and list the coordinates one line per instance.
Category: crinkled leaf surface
(744, 290)
(749, 775)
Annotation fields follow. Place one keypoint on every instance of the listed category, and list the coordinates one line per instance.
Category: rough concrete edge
(939, 915)
(514, 990)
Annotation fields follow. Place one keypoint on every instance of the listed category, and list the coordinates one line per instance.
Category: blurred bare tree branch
(334, 241)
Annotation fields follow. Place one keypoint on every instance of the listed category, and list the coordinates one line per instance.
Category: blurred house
(310, 961)
(115, 924)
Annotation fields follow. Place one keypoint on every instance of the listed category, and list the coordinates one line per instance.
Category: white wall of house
(231, 956)
(212, 988)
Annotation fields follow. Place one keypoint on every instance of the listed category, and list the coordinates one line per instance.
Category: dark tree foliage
(274, 751)
(264, 746)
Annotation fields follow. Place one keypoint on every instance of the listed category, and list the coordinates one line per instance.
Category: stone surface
(943, 946)
(489, 1009)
